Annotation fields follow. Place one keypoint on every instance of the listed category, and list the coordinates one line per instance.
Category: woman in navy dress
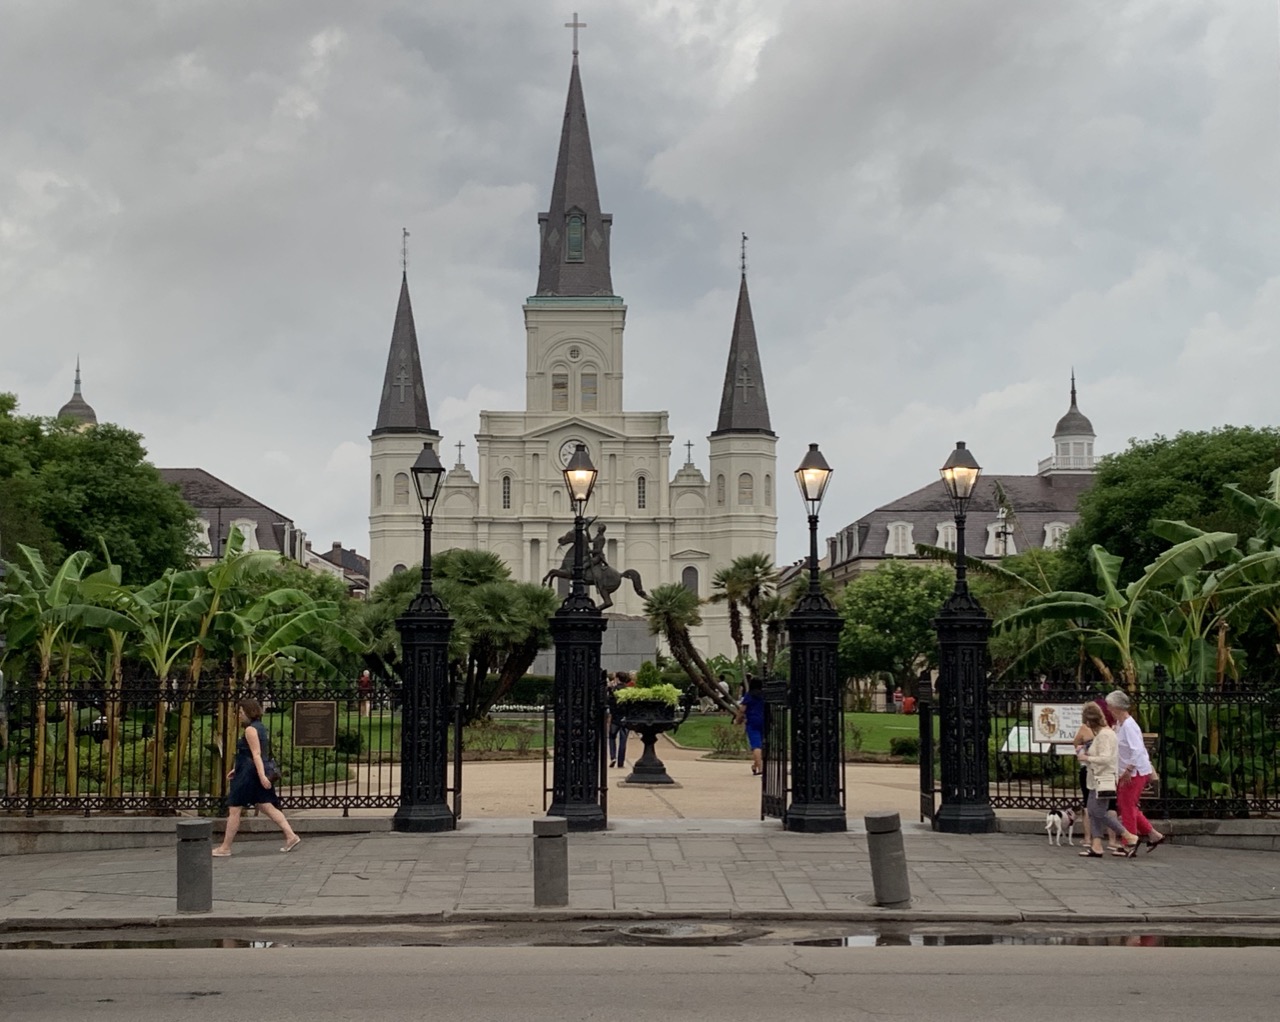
(250, 785)
(751, 713)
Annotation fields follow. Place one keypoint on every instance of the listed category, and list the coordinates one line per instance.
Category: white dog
(1058, 820)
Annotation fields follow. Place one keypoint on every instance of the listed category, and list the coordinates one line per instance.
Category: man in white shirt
(1134, 771)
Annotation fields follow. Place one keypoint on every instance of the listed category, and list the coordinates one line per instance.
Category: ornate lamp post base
(577, 631)
(421, 819)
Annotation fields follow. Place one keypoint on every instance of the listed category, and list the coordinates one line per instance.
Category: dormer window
(573, 239)
(900, 541)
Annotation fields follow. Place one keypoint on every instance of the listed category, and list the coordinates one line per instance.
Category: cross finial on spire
(1073, 386)
(458, 445)
(404, 249)
(575, 24)
(744, 254)
(688, 446)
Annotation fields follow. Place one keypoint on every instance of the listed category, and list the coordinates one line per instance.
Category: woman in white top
(1134, 767)
(1100, 757)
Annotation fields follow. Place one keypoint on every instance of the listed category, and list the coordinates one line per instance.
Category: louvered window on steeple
(642, 493)
(768, 491)
(400, 494)
(506, 493)
(589, 387)
(719, 491)
(746, 489)
(573, 243)
(377, 490)
(559, 392)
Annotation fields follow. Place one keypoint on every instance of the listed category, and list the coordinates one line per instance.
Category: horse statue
(596, 570)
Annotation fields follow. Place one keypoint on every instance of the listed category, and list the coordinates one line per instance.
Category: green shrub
(648, 676)
(660, 693)
(348, 743)
(532, 690)
(728, 738)
(904, 745)
(852, 737)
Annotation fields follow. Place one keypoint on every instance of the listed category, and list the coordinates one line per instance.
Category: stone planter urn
(648, 719)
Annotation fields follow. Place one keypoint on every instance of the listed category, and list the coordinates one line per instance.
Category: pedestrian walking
(1134, 772)
(365, 685)
(1099, 757)
(751, 714)
(252, 783)
(617, 733)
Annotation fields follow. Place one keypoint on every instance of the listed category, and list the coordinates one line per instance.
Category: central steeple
(574, 234)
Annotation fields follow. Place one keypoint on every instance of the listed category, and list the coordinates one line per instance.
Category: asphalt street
(995, 984)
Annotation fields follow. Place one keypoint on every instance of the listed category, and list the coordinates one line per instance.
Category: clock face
(566, 450)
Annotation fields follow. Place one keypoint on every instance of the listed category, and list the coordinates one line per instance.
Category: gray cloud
(950, 204)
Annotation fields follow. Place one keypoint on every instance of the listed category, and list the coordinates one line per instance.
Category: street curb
(558, 915)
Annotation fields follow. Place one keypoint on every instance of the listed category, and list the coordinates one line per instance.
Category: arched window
(901, 542)
(746, 489)
(768, 491)
(689, 579)
(588, 391)
(377, 490)
(1054, 534)
(642, 493)
(719, 491)
(400, 494)
(559, 392)
(506, 493)
(573, 240)
(397, 569)
(947, 535)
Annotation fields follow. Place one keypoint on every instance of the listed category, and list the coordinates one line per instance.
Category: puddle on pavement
(650, 934)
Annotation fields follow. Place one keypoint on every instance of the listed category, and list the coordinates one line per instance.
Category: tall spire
(1075, 422)
(403, 408)
(78, 408)
(743, 405)
(574, 234)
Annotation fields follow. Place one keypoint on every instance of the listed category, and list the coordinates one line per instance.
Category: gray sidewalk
(685, 869)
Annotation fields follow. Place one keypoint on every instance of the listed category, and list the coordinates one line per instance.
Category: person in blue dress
(251, 785)
(751, 713)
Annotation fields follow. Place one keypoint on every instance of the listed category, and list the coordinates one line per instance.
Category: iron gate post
(577, 629)
(427, 707)
(814, 627)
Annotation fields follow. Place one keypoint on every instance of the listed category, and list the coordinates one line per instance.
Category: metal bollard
(195, 866)
(550, 862)
(888, 860)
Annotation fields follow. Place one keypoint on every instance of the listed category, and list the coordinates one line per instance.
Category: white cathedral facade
(679, 526)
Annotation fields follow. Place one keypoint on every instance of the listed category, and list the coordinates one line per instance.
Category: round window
(575, 353)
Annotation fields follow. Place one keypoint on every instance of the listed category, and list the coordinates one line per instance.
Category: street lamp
(577, 630)
(814, 627)
(963, 628)
(424, 638)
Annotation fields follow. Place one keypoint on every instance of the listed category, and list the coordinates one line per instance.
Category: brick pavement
(682, 869)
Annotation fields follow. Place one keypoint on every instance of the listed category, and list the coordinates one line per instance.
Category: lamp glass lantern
(427, 473)
(812, 476)
(960, 475)
(580, 478)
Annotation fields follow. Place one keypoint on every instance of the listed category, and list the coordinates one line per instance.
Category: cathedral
(680, 526)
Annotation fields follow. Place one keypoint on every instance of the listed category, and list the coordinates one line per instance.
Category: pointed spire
(574, 257)
(743, 405)
(78, 408)
(1075, 422)
(403, 408)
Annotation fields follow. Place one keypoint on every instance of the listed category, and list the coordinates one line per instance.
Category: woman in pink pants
(1134, 772)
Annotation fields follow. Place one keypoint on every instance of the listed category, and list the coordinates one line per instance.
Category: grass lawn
(877, 729)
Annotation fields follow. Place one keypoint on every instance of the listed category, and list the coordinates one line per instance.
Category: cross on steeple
(744, 382)
(744, 254)
(458, 445)
(688, 446)
(404, 249)
(402, 381)
(575, 24)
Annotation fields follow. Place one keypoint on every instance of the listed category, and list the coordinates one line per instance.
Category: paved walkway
(643, 868)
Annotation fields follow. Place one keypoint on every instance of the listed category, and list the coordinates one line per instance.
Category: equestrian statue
(596, 570)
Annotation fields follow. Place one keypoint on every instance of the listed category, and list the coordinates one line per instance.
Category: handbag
(272, 769)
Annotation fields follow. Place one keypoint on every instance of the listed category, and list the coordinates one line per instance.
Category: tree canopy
(1178, 479)
(64, 488)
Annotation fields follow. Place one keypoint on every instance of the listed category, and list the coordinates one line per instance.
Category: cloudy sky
(950, 204)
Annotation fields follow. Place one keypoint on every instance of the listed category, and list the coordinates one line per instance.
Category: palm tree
(671, 611)
(759, 580)
(729, 586)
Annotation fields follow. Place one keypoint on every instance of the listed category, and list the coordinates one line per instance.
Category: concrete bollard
(888, 860)
(195, 865)
(551, 862)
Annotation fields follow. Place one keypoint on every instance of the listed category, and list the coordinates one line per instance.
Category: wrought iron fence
(147, 746)
(1214, 748)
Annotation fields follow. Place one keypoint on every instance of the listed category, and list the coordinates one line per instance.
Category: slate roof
(403, 408)
(574, 192)
(1074, 423)
(1035, 500)
(744, 408)
(78, 408)
(349, 561)
(219, 503)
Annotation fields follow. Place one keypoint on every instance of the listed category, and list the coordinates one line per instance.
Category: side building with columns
(669, 526)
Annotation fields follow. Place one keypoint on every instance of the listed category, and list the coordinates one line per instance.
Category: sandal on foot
(292, 845)
(1120, 853)
(1090, 855)
(1153, 845)
(218, 853)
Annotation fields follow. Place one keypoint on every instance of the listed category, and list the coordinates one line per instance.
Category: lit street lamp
(424, 638)
(814, 626)
(963, 628)
(577, 630)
